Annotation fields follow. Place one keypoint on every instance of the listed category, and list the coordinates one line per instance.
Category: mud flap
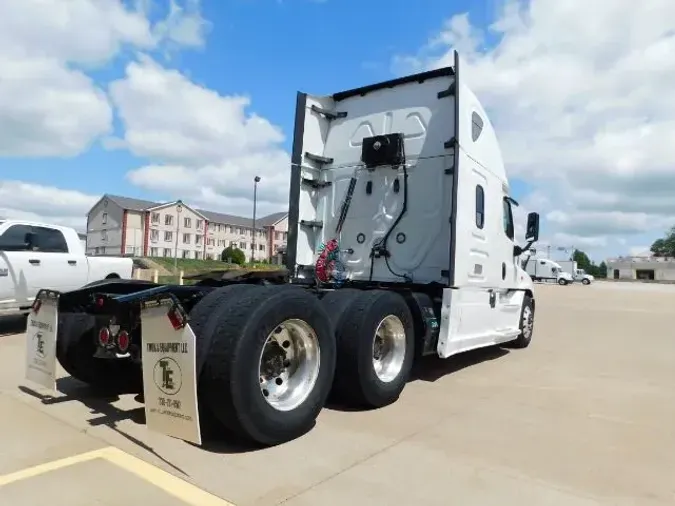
(169, 371)
(41, 331)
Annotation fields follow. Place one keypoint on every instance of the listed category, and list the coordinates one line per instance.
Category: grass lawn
(195, 266)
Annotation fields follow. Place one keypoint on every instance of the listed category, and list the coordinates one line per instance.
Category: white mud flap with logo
(169, 371)
(41, 340)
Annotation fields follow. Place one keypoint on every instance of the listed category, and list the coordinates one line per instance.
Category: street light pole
(256, 180)
(179, 209)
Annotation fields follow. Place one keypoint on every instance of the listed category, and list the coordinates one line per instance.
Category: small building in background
(645, 267)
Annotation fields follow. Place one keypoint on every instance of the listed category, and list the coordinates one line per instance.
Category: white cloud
(35, 202)
(580, 94)
(184, 25)
(204, 146)
(48, 105)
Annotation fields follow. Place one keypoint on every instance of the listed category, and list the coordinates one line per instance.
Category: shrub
(233, 255)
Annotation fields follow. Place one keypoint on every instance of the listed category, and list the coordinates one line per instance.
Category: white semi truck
(544, 269)
(570, 266)
(401, 244)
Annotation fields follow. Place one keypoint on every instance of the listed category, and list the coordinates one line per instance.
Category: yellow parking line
(30, 472)
(181, 489)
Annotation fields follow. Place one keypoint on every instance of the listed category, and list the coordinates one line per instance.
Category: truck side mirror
(532, 229)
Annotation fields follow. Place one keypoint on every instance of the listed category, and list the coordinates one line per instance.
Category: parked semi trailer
(401, 244)
(544, 269)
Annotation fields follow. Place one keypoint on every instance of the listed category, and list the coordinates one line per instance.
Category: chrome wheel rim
(289, 365)
(528, 322)
(389, 345)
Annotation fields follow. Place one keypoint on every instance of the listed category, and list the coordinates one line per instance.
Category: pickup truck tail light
(123, 341)
(37, 303)
(104, 336)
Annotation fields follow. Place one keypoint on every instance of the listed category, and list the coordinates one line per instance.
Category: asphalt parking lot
(582, 417)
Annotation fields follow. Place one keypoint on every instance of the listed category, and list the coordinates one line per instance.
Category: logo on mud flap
(40, 345)
(168, 376)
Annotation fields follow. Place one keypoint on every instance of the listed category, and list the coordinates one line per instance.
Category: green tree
(665, 247)
(585, 263)
(234, 255)
(582, 260)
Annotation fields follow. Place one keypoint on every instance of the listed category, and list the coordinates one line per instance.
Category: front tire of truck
(586, 281)
(270, 366)
(562, 282)
(376, 348)
(75, 347)
(526, 324)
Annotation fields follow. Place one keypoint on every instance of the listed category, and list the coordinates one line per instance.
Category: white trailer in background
(544, 269)
(570, 266)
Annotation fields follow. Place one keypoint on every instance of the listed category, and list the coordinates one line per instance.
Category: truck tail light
(104, 336)
(37, 304)
(123, 341)
(176, 319)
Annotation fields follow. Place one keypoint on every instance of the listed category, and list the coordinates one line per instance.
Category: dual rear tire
(269, 357)
(273, 355)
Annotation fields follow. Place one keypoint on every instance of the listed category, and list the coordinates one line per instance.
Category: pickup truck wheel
(375, 349)
(271, 364)
(75, 347)
(526, 325)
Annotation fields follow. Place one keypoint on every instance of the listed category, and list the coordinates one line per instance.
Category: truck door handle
(34, 261)
(72, 262)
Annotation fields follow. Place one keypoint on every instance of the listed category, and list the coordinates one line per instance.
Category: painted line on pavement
(177, 487)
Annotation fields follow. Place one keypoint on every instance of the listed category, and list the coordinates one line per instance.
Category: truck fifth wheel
(401, 244)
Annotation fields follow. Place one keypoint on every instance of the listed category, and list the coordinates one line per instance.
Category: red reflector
(175, 319)
(123, 341)
(37, 303)
(104, 336)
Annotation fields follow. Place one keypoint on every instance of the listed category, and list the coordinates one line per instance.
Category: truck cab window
(476, 126)
(480, 206)
(508, 219)
(50, 240)
(14, 238)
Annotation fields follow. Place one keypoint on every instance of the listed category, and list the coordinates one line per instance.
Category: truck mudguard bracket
(324, 160)
(316, 184)
(330, 115)
(312, 224)
(450, 92)
(451, 143)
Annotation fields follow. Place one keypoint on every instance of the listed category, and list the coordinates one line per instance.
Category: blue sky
(553, 81)
(268, 50)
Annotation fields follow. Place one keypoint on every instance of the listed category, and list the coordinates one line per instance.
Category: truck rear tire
(337, 301)
(202, 313)
(75, 347)
(375, 349)
(270, 364)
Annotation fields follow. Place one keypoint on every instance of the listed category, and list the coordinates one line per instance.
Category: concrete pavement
(582, 417)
